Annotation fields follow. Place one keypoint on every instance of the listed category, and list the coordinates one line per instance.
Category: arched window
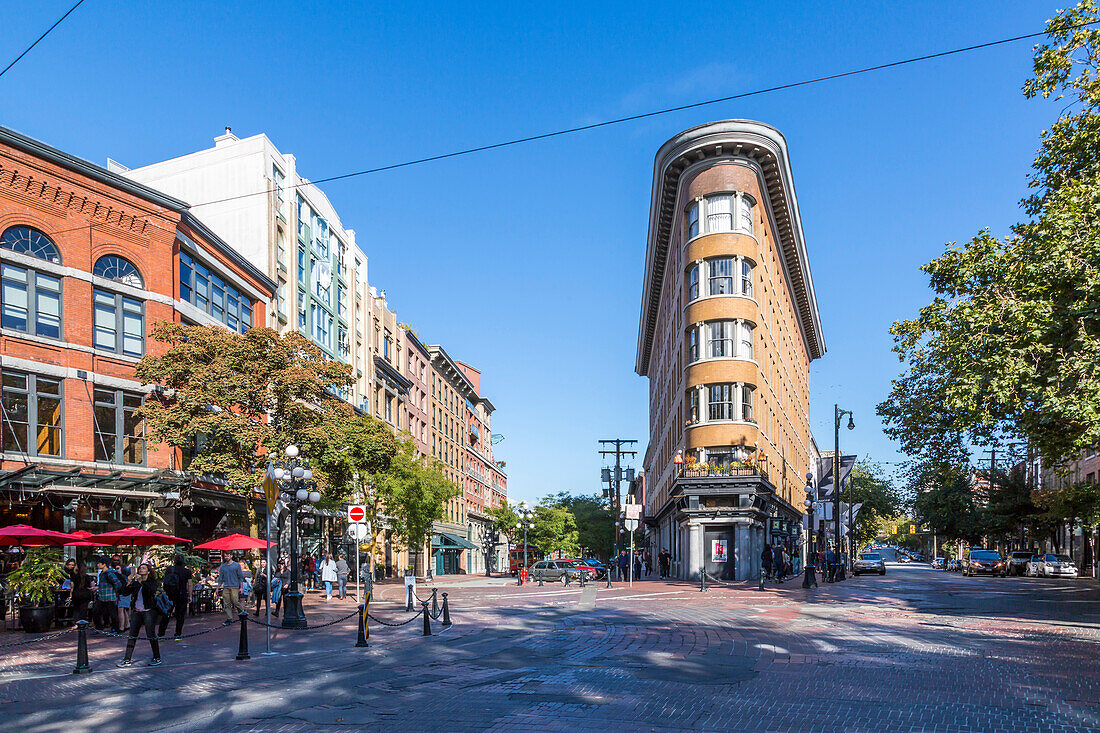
(118, 269)
(32, 242)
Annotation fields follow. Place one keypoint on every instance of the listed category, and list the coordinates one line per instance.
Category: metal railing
(696, 470)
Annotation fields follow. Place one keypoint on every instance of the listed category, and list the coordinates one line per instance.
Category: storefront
(447, 551)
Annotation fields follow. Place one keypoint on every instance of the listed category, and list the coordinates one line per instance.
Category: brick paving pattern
(913, 651)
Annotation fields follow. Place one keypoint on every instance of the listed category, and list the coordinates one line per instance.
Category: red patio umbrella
(135, 536)
(235, 542)
(81, 534)
(27, 536)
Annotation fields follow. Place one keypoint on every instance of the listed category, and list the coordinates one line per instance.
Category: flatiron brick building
(728, 328)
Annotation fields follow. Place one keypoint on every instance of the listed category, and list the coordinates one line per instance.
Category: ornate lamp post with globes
(298, 491)
(811, 557)
(525, 522)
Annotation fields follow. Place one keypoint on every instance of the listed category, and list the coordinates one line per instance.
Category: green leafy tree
(946, 503)
(595, 522)
(868, 484)
(243, 397)
(555, 529)
(413, 493)
(505, 520)
(1010, 346)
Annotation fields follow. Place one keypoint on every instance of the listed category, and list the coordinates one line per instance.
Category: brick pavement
(915, 650)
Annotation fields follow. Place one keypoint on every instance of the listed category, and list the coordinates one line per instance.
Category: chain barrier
(258, 622)
(44, 637)
(713, 579)
(409, 620)
(125, 634)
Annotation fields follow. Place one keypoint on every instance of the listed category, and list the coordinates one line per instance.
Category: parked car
(555, 571)
(1052, 566)
(869, 562)
(953, 565)
(985, 562)
(599, 567)
(939, 564)
(585, 566)
(1017, 562)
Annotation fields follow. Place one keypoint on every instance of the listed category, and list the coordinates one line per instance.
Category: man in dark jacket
(766, 561)
(177, 586)
(623, 563)
(778, 561)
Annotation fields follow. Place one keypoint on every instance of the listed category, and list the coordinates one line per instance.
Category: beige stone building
(728, 328)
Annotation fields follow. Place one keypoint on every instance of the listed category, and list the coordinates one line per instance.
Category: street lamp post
(838, 415)
(297, 491)
(525, 522)
(811, 575)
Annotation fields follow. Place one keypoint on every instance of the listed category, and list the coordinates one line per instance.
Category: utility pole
(615, 479)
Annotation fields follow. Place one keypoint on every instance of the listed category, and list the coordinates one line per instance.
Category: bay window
(722, 212)
(32, 414)
(720, 339)
(214, 296)
(720, 402)
(724, 276)
(727, 339)
(720, 276)
(723, 402)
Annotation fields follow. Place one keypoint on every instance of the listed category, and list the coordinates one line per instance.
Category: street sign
(358, 531)
(633, 511)
(631, 524)
(357, 513)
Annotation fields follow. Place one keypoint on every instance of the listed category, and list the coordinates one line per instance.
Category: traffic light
(912, 529)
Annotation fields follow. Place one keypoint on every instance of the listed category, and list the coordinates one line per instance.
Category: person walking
(647, 563)
(142, 591)
(279, 581)
(107, 585)
(664, 562)
(366, 577)
(342, 573)
(830, 563)
(779, 562)
(177, 586)
(80, 591)
(623, 562)
(259, 587)
(328, 575)
(230, 580)
(766, 561)
(123, 572)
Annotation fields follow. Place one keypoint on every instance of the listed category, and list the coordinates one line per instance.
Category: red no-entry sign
(357, 513)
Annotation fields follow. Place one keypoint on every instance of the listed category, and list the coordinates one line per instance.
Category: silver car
(1052, 566)
(555, 570)
(869, 562)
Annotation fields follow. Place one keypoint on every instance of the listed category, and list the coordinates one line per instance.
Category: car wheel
(882, 572)
(562, 578)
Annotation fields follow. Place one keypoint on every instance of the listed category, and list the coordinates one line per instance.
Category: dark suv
(985, 562)
(1017, 562)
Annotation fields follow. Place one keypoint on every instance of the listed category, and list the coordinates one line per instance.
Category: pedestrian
(766, 561)
(637, 565)
(142, 591)
(279, 581)
(328, 574)
(778, 560)
(230, 580)
(123, 572)
(830, 563)
(366, 578)
(80, 594)
(647, 562)
(107, 584)
(259, 587)
(664, 562)
(177, 586)
(623, 562)
(342, 573)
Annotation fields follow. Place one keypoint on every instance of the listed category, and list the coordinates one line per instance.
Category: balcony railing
(705, 470)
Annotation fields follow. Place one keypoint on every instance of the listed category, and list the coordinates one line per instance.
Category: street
(914, 650)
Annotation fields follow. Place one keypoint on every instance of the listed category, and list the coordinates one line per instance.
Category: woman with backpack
(141, 590)
(177, 586)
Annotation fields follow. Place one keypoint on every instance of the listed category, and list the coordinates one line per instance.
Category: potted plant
(34, 583)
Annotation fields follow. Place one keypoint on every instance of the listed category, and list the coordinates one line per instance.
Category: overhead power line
(655, 113)
(28, 48)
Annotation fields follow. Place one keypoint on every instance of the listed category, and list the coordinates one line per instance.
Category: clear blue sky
(527, 262)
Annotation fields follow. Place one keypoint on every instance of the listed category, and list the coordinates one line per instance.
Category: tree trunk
(250, 513)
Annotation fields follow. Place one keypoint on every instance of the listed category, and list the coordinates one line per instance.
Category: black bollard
(446, 612)
(82, 666)
(362, 640)
(409, 602)
(566, 576)
(427, 620)
(242, 647)
(583, 573)
(761, 580)
(702, 581)
(540, 580)
(435, 602)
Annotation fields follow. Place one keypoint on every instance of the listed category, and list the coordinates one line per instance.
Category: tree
(505, 520)
(945, 502)
(414, 493)
(867, 484)
(555, 529)
(594, 521)
(1010, 345)
(242, 397)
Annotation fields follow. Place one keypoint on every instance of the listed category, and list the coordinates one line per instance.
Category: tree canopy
(413, 493)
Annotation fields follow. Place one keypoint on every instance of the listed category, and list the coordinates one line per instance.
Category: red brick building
(88, 261)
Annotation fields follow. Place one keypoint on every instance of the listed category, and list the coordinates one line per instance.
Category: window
(280, 247)
(720, 213)
(280, 194)
(692, 406)
(119, 323)
(389, 409)
(720, 276)
(280, 296)
(386, 346)
(746, 402)
(31, 242)
(692, 345)
(119, 269)
(302, 310)
(212, 295)
(322, 327)
(30, 301)
(720, 405)
(693, 221)
(32, 414)
(746, 277)
(693, 283)
(746, 214)
(746, 341)
(720, 339)
(119, 433)
(305, 216)
(341, 305)
(724, 212)
(303, 267)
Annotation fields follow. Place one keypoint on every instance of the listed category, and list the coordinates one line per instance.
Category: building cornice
(450, 371)
(730, 139)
